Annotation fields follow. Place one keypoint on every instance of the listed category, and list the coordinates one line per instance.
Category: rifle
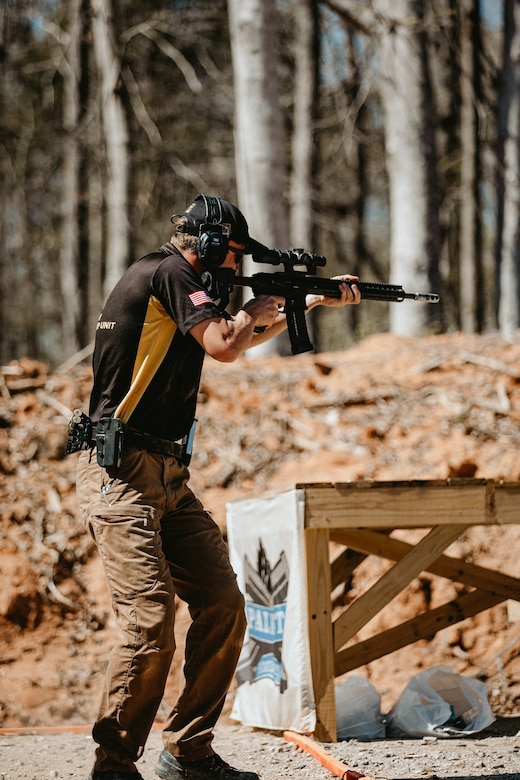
(294, 285)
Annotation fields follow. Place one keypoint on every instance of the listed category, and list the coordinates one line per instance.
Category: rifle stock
(294, 286)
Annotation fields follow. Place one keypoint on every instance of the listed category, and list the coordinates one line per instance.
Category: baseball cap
(207, 210)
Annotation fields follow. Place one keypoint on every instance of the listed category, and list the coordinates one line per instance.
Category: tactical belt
(110, 436)
(144, 441)
(152, 444)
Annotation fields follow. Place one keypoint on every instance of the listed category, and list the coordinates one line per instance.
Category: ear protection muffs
(212, 246)
(213, 234)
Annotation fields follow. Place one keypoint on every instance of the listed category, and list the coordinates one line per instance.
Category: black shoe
(114, 774)
(212, 768)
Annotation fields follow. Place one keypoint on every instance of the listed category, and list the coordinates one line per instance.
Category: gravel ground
(493, 754)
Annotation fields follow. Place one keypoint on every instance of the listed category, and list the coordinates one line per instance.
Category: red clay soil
(389, 408)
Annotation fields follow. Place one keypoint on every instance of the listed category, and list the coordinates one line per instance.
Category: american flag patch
(199, 297)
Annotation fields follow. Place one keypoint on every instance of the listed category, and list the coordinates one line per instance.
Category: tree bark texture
(471, 314)
(509, 258)
(259, 136)
(304, 115)
(115, 131)
(403, 80)
(69, 236)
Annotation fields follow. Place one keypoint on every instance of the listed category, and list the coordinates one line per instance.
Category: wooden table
(361, 517)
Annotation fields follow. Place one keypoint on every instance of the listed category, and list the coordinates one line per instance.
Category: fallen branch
(4, 390)
(79, 357)
(53, 590)
(494, 365)
(54, 404)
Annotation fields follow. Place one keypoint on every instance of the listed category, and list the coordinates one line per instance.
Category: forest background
(383, 135)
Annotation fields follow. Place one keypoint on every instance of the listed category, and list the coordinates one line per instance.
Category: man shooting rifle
(300, 289)
(155, 538)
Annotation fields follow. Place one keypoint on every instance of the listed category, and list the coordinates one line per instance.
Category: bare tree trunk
(336, 328)
(302, 142)
(471, 281)
(303, 158)
(447, 67)
(85, 325)
(358, 156)
(69, 234)
(259, 139)
(508, 239)
(116, 143)
(409, 155)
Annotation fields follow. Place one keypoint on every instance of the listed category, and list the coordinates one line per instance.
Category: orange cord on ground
(314, 749)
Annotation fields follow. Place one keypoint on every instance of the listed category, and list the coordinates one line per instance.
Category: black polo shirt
(146, 364)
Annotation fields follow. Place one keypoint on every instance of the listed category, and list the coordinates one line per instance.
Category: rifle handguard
(377, 291)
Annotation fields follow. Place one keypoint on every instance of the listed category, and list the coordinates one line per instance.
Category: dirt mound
(390, 408)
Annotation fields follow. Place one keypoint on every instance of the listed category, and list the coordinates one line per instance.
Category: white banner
(267, 549)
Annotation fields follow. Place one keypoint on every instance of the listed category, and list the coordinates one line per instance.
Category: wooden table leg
(320, 632)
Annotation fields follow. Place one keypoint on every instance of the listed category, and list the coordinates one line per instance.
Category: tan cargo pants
(155, 541)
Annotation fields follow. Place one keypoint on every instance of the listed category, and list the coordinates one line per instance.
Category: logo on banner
(266, 605)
